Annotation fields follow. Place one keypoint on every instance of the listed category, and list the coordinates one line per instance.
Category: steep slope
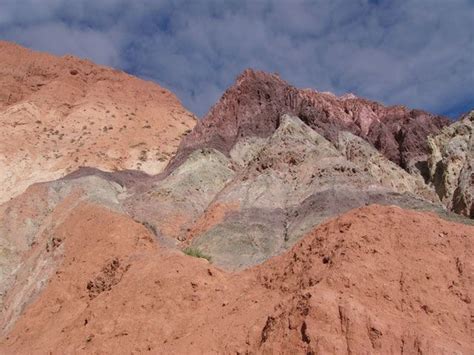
(451, 164)
(57, 114)
(378, 279)
(253, 106)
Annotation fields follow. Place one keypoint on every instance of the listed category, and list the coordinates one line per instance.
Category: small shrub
(150, 227)
(196, 253)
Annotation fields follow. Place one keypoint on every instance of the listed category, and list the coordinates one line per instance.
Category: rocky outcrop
(57, 114)
(451, 165)
(253, 106)
(384, 171)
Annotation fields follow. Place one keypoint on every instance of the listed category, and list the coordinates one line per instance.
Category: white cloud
(58, 38)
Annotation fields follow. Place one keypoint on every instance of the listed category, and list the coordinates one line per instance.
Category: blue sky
(419, 53)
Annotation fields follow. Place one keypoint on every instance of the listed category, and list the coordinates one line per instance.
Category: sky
(419, 53)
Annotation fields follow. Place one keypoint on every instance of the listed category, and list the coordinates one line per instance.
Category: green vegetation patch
(196, 253)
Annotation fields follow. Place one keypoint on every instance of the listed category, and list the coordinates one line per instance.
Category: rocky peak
(254, 104)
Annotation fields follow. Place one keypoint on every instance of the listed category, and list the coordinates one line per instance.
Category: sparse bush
(150, 227)
(196, 253)
(143, 156)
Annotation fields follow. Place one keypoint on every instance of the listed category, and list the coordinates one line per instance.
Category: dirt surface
(57, 114)
(378, 279)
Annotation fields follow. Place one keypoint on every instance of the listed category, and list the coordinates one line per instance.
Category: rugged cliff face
(57, 114)
(451, 164)
(254, 105)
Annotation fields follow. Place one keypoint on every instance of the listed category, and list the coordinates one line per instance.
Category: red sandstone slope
(57, 114)
(254, 104)
(378, 279)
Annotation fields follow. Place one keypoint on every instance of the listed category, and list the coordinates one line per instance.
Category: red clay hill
(57, 114)
(375, 280)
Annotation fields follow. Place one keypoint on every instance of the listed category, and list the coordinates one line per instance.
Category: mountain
(328, 221)
(57, 114)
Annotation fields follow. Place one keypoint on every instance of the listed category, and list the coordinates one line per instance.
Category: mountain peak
(260, 75)
(254, 104)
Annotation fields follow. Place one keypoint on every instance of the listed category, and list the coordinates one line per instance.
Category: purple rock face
(254, 104)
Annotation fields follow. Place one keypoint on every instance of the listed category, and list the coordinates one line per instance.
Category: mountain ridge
(254, 104)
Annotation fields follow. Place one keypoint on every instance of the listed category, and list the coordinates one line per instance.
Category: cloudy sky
(415, 52)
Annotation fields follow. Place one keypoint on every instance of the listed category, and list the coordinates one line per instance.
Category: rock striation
(451, 165)
(295, 181)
